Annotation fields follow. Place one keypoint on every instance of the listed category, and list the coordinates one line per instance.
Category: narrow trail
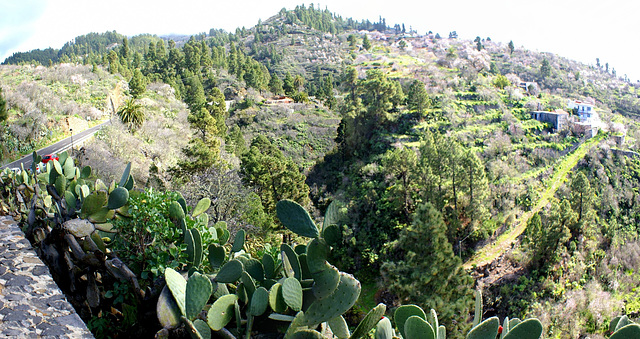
(493, 250)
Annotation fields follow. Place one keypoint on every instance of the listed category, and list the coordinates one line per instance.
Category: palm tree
(131, 114)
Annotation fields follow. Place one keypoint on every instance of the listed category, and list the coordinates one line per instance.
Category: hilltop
(388, 121)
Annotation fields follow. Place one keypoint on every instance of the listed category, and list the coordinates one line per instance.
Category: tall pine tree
(424, 270)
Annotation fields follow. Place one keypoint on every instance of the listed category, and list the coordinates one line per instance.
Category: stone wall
(31, 304)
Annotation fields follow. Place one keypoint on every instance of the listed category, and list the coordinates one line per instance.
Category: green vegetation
(428, 141)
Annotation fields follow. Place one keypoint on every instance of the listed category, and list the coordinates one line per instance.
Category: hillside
(420, 137)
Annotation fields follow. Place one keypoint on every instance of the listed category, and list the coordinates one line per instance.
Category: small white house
(585, 109)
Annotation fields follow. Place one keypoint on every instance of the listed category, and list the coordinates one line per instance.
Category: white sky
(581, 30)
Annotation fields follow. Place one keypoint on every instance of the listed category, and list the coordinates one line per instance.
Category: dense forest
(420, 149)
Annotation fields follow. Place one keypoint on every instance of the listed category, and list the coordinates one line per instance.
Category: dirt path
(493, 250)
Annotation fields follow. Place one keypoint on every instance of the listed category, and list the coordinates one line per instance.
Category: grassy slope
(493, 250)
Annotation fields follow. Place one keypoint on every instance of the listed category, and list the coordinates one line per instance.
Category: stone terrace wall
(31, 304)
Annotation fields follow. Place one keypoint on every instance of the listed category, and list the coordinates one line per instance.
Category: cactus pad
(622, 322)
(202, 206)
(178, 286)
(339, 327)
(296, 218)
(118, 198)
(255, 269)
(332, 234)
(202, 328)
(259, 302)
(292, 293)
(238, 241)
(486, 329)
(290, 262)
(341, 300)
(93, 203)
(631, 331)
(417, 328)
(167, 309)
(197, 244)
(317, 254)
(269, 266)
(230, 272)
(403, 313)
(216, 255)
(528, 329)
(276, 299)
(432, 318)
(325, 282)
(248, 283)
(221, 311)
(197, 294)
(175, 211)
(369, 321)
(384, 329)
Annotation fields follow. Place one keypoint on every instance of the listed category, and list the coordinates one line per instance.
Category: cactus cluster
(67, 216)
(299, 287)
(412, 322)
(511, 328)
(621, 327)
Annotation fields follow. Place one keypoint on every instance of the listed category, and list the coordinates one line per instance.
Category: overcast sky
(581, 30)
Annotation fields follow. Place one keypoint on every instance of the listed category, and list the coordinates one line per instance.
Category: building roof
(553, 113)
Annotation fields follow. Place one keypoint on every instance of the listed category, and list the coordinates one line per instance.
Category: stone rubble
(31, 304)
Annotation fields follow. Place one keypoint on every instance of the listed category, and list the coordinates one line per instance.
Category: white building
(586, 110)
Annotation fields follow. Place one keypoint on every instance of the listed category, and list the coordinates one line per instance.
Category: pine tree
(547, 239)
(417, 97)
(288, 86)
(475, 183)
(366, 43)
(137, 84)
(218, 110)
(399, 167)
(275, 85)
(274, 176)
(424, 269)
(511, 47)
(124, 49)
(545, 68)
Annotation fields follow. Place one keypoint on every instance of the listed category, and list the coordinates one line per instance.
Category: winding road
(60, 146)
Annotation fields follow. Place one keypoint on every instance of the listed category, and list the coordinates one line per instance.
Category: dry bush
(31, 126)
(488, 94)
(579, 311)
(158, 141)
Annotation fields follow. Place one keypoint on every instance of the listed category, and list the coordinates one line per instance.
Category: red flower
(500, 330)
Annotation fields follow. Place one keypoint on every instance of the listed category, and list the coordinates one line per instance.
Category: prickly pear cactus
(178, 287)
(528, 329)
(197, 293)
(221, 311)
(369, 321)
(296, 218)
(404, 312)
(417, 328)
(487, 329)
(343, 298)
(384, 329)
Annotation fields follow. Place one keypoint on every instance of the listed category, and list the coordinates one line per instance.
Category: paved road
(58, 147)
